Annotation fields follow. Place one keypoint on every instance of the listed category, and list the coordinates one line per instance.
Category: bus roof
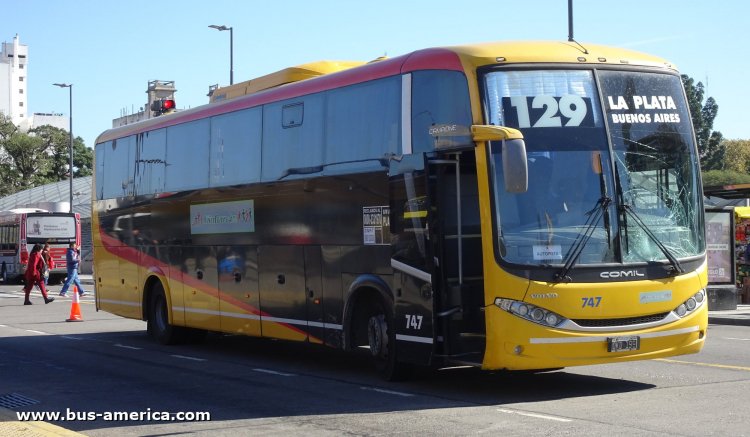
(324, 75)
(283, 77)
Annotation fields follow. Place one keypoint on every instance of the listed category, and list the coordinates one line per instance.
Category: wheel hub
(377, 335)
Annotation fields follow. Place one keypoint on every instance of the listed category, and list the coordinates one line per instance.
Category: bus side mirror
(515, 168)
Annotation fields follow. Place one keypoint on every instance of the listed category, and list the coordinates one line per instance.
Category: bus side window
(439, 98)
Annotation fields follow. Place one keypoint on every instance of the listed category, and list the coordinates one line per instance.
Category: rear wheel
(158, 318)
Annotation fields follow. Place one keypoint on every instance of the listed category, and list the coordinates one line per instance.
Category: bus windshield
(620, 181)
(46, 228)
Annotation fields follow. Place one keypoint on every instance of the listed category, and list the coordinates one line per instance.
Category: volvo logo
(615, 274)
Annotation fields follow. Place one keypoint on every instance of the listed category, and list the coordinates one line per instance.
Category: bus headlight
(529, 312)
(691, 304)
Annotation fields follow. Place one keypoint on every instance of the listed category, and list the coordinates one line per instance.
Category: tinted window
(440, 99)
(287, 148)
(235, 148)
(99, 169)
(118, 158)
(150, 160)
(363, 121)
(187, 156)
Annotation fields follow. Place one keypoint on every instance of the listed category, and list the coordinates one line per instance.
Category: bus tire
(381, 336)
(158, 325)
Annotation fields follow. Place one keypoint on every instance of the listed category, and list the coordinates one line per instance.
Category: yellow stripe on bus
(415, 214)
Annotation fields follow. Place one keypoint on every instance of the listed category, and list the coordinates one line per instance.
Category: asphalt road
(106, 364)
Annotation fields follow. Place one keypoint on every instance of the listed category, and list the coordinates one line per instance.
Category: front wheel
(158, 318)
(381, 336)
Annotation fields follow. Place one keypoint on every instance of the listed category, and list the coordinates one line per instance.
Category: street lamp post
(231, 49)
(70, 131)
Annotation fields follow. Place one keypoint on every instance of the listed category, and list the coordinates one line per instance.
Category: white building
(14, 84)
(52, 119)
(13, 81)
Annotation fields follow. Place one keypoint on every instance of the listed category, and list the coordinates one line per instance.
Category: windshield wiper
(595, 215)
(676, 266)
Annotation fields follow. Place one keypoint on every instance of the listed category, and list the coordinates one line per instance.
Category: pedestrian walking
(73, 258)
(33, 275)
(49, 263)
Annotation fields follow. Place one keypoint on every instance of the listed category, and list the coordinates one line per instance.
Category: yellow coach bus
(509, 205)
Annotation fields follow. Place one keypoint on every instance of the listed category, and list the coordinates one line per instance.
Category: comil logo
(616, 274)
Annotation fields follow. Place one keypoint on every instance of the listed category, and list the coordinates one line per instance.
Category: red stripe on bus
(132, 255)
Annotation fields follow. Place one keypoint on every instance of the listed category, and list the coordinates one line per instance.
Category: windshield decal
(641, 104)
(552, 252)
(548, 111)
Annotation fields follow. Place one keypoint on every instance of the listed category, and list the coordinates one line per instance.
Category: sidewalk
(740, 316)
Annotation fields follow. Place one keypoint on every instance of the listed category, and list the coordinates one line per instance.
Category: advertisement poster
(222, 218)
(719, 246)
(50, 227)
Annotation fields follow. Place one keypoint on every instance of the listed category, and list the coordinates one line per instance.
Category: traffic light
(162, 106)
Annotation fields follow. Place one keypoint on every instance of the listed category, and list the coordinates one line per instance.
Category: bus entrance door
(455, 236)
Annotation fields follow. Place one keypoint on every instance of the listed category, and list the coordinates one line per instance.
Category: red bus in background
(22, 228)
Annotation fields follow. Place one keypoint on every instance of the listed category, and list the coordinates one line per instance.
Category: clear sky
(111, 50)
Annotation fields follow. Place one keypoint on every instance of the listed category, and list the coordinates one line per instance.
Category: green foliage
(737, 155)
(710, 147)
(720, 178)
(38, 157)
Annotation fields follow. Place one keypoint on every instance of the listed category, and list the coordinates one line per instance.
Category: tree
(710, 148)
(24, 163)
(720, 178)
(58, 143)
(737, 155)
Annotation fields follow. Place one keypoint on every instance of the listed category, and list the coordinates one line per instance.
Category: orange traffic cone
(75, 308)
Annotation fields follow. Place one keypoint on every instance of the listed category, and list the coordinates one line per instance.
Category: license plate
(621, 344)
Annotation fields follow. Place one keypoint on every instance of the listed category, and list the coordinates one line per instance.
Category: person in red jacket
(34, 275)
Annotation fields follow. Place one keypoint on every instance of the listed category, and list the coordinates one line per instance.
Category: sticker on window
(376, 224)
(548, 111)
(553, 251)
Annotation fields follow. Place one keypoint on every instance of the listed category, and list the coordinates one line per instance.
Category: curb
(722, 320)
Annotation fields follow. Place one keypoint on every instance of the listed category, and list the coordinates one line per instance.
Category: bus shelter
(722, 258)
(727, 240)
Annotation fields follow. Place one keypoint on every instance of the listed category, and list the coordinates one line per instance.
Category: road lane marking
(738, 339)
(273, 372)
(128, 347)
(188, 358)
(694, 363)
(36, 332)
(388, 392)
(535, 415)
